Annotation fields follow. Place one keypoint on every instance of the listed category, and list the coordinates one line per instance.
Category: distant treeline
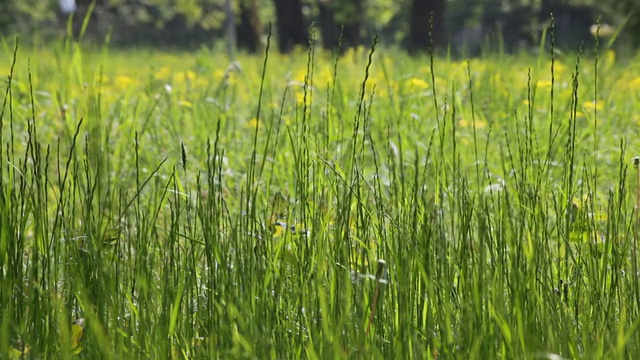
(417, 25)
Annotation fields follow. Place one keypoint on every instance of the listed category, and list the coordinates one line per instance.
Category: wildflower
(416, 83)
(593, 105)
(558, 67)
(634, 84)
(182, 77)
(543, 84)
(185, 103)
(218, 74)
(163, 73)
(325, 76)
(124, 82)
(479, 124)
(252, 124)
(610, 58)
(300, 75)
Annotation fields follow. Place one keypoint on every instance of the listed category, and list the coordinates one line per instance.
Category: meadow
(174, 205)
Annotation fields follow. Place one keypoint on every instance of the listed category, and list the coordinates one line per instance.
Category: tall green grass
(388, 208)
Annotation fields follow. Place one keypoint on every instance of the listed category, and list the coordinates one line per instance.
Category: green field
(369, 205)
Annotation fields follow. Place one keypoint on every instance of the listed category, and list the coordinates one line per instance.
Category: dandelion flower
(543, 84)
(252, 124)
(163, 73)
(593, 105)
(416, 83)
(185, 103)
(124, 82)
(634, 84)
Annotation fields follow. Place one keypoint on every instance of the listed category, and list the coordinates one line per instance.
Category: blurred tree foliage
(469, 23)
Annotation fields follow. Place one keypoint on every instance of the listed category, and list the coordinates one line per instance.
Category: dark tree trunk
(420, 32)
(7, 14)
(340, 21)
(328, 28)
(249, 28)
(351, 36)
(290, 23)
(351, 14)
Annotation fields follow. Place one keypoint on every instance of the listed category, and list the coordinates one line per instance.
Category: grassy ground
(370, 205)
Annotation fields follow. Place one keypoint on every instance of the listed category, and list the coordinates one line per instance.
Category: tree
(249, 28)
(426, 14)
(633, 24)
(327, 25)
(290, 25)
(341, 20)
(7, 12)
(349, 15)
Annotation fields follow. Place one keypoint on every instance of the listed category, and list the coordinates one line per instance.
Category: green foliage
(174, 205)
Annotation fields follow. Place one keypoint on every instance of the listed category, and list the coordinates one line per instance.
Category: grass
(371, 205)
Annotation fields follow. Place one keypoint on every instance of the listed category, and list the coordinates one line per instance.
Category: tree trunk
(351, 36)
(328, 29)
(249, 28)
(351, 14)
(424, 15)
(290, 25)
(7, 14)
(341, 22)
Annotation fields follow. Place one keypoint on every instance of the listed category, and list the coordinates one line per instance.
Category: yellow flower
(477, 66)
(300, 75)
(252, 124)
(163, 73)
(593, 105)
(543, 84)
(610, 58)
(634, 84)
(300, 97)
(558, 67)
(416, 83)
(124, 82)
(218, 74)
(185, 103)
(325, 77)
(182, 77)
(466, 123)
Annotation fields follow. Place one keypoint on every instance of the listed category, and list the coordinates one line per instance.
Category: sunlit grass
(372, 205)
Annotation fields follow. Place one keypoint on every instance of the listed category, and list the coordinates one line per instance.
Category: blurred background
(465, 27)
